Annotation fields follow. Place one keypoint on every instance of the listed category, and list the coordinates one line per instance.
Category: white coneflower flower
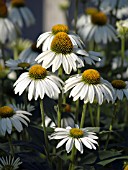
(89, 86)
(20, 14)
(28, 108)
(30, 53)
(46, 38)
(85, 18)
(10, 118)
(39, 82)
(75, 136)
(20, 64)
(98, 29)
(92, 58)
(121, 13)
(67, 118)
(9, 163)
(62, 52)
(113, 4)
(120, 89)
(7, 28)
(122, 27)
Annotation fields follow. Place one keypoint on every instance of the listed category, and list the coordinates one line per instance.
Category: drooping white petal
(62, 142)
(78, 145)
(69, 144)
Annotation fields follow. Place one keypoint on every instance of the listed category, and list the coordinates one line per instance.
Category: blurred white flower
(120, 89)
(30, 53)
(7, 28)
(121, 13)
(23, 63)
(122, 27)
(12, 75)
(112, 4)
(9, 163)
(98, 29)
(67, 118)
(20, 14)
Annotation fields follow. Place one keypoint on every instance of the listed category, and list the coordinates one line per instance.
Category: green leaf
(105, 162)
(89, 159)
(108, 154)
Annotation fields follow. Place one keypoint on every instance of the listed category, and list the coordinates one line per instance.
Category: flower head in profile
(46, 38)
(98, 29)
(38, 81)
(20, 14)
(62, 52)
(89, 86)
(67, 118)
(75, 136)
(9, 163)
(114, 4)
(11, 117)
(85, 18)
(30, 53)
(7, 28)
(120, 89)
(21, 63)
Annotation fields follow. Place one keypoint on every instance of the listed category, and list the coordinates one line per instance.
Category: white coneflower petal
(9, 163)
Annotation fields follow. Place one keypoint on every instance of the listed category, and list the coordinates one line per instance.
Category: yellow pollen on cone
(99, 18)
(37, 72)
(76, 133)
(62, 43)
(60, 28)
(6, 111)
(24, 65)
(91, 76)
(126, 167)
(118, 84)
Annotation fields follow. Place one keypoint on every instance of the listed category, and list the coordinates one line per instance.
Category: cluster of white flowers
(60, 49)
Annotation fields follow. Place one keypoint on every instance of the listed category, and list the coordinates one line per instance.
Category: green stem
(98, 116)
(77, 111)
(60, 73)
(44, 128)
(59, 110)
(83, 116)
(15, 50)
(72, 164)
(111, 125)
(122, 53)
(77, 105)
(10, 144)
(91, 116)
(2, 51)
(76, 15)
